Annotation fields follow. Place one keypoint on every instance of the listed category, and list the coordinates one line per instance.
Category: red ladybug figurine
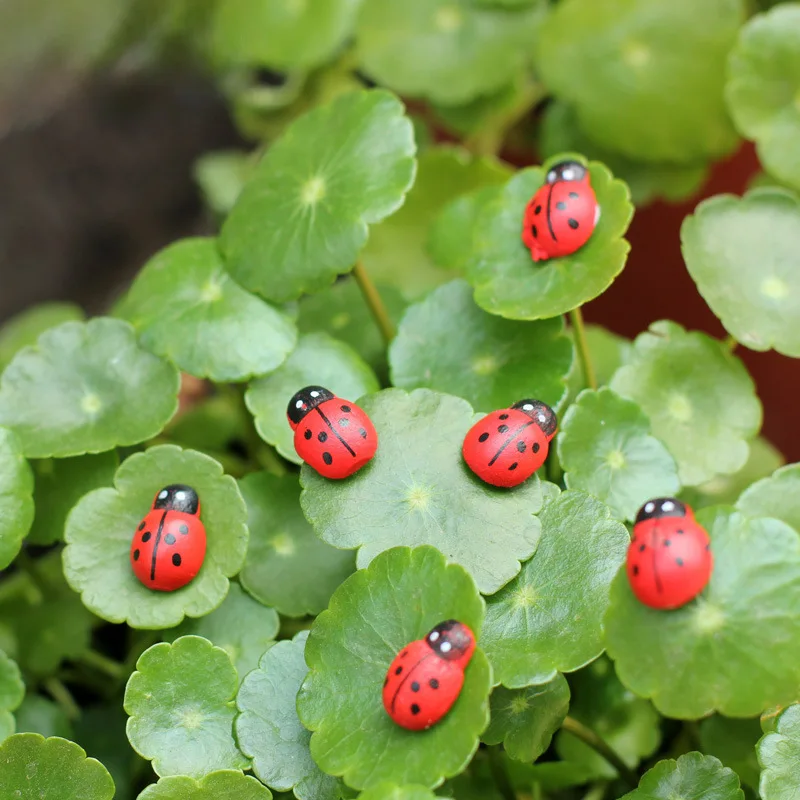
(506, 447)
(562, 215)
(426, 678)
(669, 558)
(169, 545)
(332, 435)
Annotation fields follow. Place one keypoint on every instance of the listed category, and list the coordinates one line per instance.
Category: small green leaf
(606, 449)
(490, 363)
(223, 784)
(733, 742)
(386, 790)
(763, 90)
(59, 484)
(317, 360)
(692, 776)
(417, 490)
(220, 175)
(287, 566)
(776, 496)
(12, 690)
(16, 497)
(718, 652)
(778, 755)
(242, 627)
(549, 618)
(85, 388)
(35, 768)
(397, 599)
(524, 720)
(39, 715)
(101, 526)
(25, 328)
(269, 730)
(509, 283)
(699, 397)
(187, 309)
(180, 704)
(723, 239)
(304, 215)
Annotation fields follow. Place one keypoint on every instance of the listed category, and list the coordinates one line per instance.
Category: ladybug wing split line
(156, 544)
(335, 432)
(508, 441)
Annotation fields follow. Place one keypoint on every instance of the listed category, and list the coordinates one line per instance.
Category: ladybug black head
(540, 413)
(660, 507)
(177, 497)
(450, 640)
(306, 400)
(566, 171)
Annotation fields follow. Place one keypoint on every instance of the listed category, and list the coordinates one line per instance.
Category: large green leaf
(723, 239)
(417, 490)
(12, 690)
(25, 328)
(86, 388)
(101, 527)
(549, 618)
(778, 755)
(180, 703)
(16, 497)
(735, 648)
(397, 599)
(187, 309)
(224, 784)
(509, 283)
(490, 362)
(645, 77)
(385, 790)
(776, 496)
(698, 396)
(304, 215)
(733, 742)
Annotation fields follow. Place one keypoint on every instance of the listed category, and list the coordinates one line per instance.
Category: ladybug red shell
(332, 435)
(426, 678)
(506, 447)
(169, 545)
(669, 558)
(562, 215)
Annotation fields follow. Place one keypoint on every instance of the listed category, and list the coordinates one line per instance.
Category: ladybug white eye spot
(542, 418)
(315, 394)
(299, 404)
(551, 176)
(650, 508)
(446, 647)
(667, 506)
(568, 174)
(527, 407)
(180, 495)
(162, 494)
(434, 636)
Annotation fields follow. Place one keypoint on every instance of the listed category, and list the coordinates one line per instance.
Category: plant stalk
(601, 747)
(730, 342)
(63, 697)
(373, 300)
(104, 664)
(500, 774)
(579, 329)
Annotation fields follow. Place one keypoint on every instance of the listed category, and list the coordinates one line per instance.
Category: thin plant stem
(373, 300)
(730, 342)
(104, 664)
(579, 329)
(601, 747)
(63, 697)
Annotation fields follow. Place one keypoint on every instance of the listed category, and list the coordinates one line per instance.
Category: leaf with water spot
(12, 690)
(25, 328)
(699, 398)
(181, 706)
(778, 755)
(86, 387)
(187, 309)
(222, 784)
(418, 490)
(710, 655)
(16, 497)
(376, 612)
(304, 215)
(775, 496)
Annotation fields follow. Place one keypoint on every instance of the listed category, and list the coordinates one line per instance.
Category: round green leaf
(303, 216)
(242, 627)
(223, 784)
(524, 720)
(35, 768)
(86, 387)
(616, 62)
(606, 449)
(723, 239)
(220, 176)
(507, 282)
(733, 742)
(397, 599)
(39, 715)
(187, 309)
(692, 775)
(549, 618)
(763, 90)
(12, 690)
(417, 490)
(317, 360)
(181, 709)
(490, 363)
(287, 565)
(776, 496)
(285, 35)
(16, 497)
(25, 328)
(386, 790)
(269, 730)
(718, 653)
(778, 755)
(101, 526)
(699, 398)
(59, 484)
(449, 51)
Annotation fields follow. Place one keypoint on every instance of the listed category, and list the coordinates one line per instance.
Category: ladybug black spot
(135, 555)
(504, 416)
(561, 206)
(414, 686)
(433, 683)
(483, 437)
(534, 231)
(573, 223)
(521, 446)
(146, 536)
(170, 539)
(667, 542)
(322, 436)
(680, 532)
(386, 680)
(636, 570)
(537, 210)
(346, 409)
(184, 529)
(513, 467)
(574, 195)
(308, 434)
(708, 547)
(414, 709)
(343, 422)
(398, 670)
(679, 562)
(404, 654)
(327, 458)
(642, 548)
(536, 447)
(502, 428)
(363, 433)
(176, 559)
(141, 525)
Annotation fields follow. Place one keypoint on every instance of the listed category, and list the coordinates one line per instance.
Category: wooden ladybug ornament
(562, 215)
(332, 435)
(426, 678)
(507, 446)
(669, 558)
(169, 545)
